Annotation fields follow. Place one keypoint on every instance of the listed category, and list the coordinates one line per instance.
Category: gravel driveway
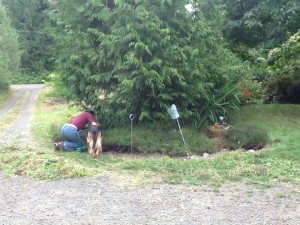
(106, 200)
(21, 126)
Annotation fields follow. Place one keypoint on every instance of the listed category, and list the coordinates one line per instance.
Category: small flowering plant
(250, 89)
(244, 86)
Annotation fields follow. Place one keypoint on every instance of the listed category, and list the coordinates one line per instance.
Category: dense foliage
(9, 51)
(284, 67)
(30, 19)
(262, 24)
(141, 56)
(254, 28)
(123, 57)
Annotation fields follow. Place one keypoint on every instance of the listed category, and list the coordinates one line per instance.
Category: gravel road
(20, 128)
(106, 200)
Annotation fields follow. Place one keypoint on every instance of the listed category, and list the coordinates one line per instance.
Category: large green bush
(122, 57)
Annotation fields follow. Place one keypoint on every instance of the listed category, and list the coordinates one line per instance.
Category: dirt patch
(54, 101)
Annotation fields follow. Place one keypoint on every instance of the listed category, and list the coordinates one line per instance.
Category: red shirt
(81, 120)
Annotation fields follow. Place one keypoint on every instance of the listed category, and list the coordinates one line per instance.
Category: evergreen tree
(32, 23)
(140, 56)
(9, 52)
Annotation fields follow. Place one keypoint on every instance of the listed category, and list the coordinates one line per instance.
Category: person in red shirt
(70, 131)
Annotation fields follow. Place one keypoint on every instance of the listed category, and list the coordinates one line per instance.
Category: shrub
(247, 136)
(134, 60)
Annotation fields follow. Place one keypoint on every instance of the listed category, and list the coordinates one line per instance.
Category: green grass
(280, 162)
(282, 122)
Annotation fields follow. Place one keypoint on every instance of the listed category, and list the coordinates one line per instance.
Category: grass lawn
(279, 162)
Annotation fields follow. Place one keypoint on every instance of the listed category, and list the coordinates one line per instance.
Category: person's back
(70, 131)
(81, 120)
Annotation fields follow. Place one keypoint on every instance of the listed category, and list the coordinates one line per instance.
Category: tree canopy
(30, 19)
(9, 51)
(260, 23)
(140, 56)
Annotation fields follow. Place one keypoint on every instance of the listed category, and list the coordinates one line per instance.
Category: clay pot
(218, 130)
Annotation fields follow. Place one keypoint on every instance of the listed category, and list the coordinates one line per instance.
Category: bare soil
(113, 200)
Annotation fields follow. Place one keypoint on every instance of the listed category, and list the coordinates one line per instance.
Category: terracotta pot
(218, 130)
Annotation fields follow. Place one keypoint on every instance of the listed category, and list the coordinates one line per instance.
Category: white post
(131, 139)
(181, 133)
(131, 117)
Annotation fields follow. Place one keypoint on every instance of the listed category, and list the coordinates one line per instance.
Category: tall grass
(280, 162)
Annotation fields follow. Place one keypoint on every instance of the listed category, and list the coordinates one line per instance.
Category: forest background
(140, 56)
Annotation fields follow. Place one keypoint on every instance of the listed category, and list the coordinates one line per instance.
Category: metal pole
(131, 117)
(181, 133)
(131, 138)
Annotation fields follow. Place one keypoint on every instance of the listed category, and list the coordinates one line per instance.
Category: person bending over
(70, 131)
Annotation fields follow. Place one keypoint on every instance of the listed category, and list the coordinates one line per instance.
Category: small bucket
(173, 112)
